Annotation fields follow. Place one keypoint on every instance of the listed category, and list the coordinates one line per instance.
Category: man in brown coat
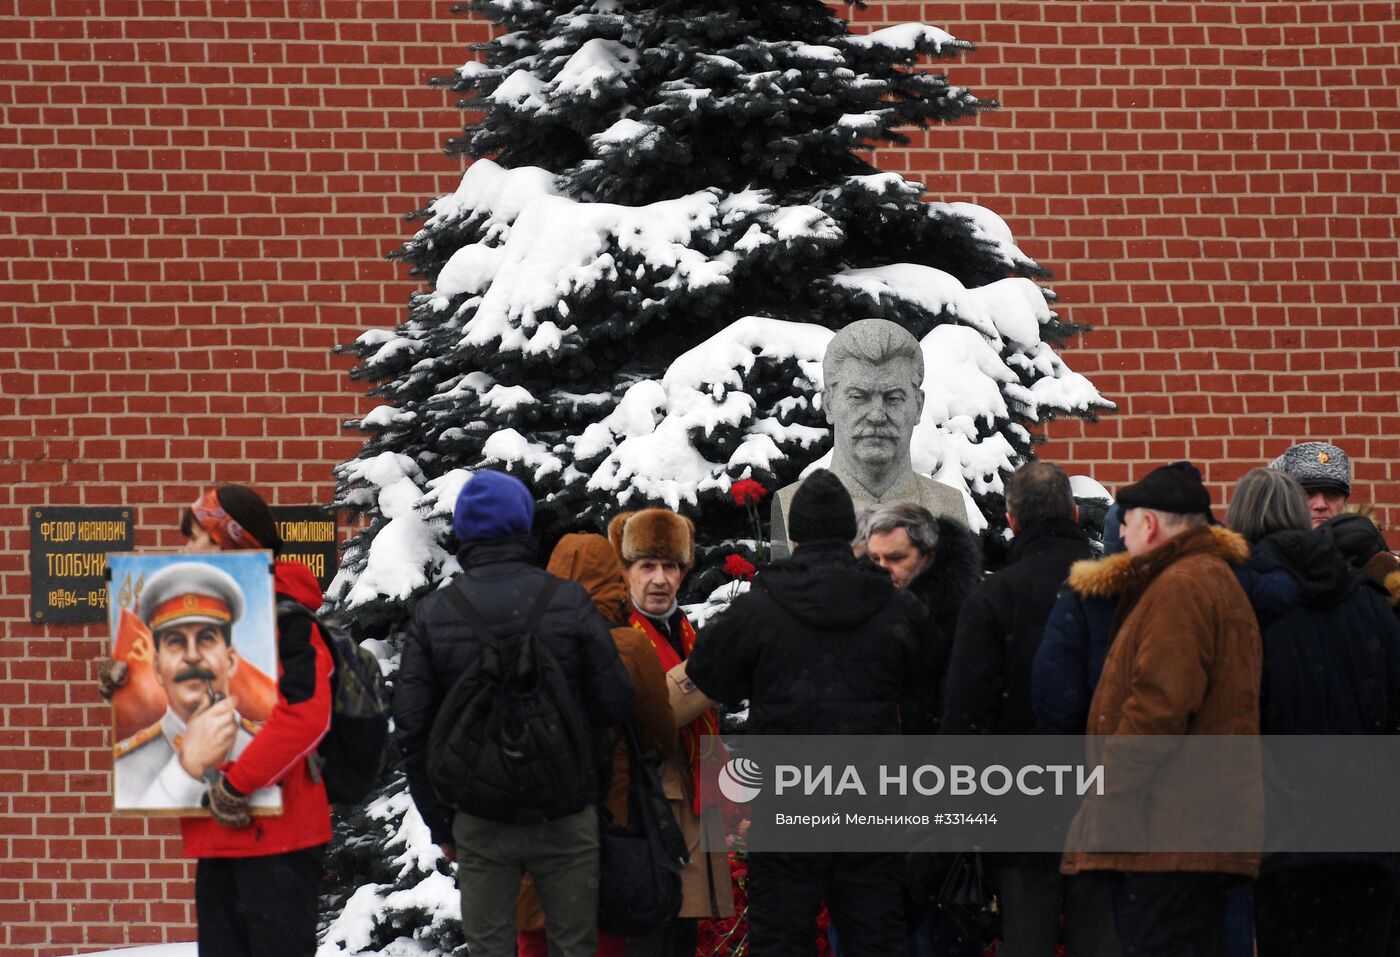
(1185, 660)
(657, 548)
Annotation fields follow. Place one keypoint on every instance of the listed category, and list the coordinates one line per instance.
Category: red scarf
(223, 530)
(701, 727)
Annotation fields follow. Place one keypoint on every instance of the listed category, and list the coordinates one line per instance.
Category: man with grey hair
(872, 395)
(904, 539)
(938, 560)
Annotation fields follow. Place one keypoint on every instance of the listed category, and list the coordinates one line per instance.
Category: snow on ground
(403, 947)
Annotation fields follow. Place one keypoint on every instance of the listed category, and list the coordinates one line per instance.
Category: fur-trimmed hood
(1111, 576)
(956, 569)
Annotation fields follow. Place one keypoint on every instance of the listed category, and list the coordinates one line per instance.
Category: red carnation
(747, 492)
(737, 566)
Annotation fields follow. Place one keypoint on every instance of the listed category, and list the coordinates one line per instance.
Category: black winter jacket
(988, 688)
(822, 644)
(501, 583)
(942, 589)
(1331, 666)
(1332, 659)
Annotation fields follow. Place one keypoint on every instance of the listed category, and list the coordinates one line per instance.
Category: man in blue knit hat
(509, 790)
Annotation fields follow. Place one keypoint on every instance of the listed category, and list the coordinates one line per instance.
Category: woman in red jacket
(257, 881)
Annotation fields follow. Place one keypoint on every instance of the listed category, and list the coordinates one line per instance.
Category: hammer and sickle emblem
(190, 601)
(1322, 457)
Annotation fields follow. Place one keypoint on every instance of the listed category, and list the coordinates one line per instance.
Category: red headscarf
(223, 530)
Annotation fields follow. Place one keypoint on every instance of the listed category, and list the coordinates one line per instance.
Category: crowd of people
(1277, 621)
(1281, 620)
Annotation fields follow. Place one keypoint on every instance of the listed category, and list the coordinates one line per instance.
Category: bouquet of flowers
(747, 494)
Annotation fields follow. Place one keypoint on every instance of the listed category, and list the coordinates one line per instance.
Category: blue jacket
(1080, 628)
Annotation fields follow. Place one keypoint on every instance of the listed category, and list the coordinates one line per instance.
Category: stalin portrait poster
(198, 633)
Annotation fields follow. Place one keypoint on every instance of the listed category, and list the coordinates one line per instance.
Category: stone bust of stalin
(872, 395)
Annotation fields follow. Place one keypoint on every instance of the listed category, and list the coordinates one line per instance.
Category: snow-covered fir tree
(626, 300)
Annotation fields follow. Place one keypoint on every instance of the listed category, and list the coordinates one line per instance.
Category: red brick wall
(195, 196)
(1214, 185)
(194, 206)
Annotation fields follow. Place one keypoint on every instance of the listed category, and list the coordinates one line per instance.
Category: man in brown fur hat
(657, 548)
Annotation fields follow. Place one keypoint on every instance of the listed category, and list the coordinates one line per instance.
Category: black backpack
(352, 754)
(510, 742)
(639, 886)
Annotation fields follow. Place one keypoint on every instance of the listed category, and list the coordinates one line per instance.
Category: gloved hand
(111, 675)
(229, 807)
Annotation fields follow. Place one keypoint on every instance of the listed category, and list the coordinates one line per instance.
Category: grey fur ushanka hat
(1316, 465)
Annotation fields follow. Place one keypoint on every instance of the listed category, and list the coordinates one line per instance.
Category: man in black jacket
(988, 689)
(1331, 667)
(550, 833)
(939, 561)
(822, 644)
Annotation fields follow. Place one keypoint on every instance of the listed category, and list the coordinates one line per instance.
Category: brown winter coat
(707, 888)
(1186, 659)
(706, 885)
(591, 561)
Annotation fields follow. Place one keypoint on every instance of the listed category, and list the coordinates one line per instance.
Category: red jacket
(277, 753)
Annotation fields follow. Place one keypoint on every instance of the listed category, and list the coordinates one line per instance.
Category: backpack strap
(289, 608)
(478, 624)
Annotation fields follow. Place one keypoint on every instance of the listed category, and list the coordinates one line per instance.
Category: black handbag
(968, 897)
(640, 861)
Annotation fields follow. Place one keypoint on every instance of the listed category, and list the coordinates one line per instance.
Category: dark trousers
(1029, 891)
(1324, 908)
(933, 934)
(1173, 914)
(1089, 930)
(1239, 922)
(675, 938)
(254, 906)
(864, 894)
(562, 858)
